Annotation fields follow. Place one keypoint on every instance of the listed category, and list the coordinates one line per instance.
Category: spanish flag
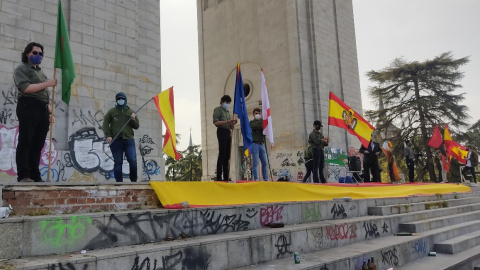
(342, 116)
(164, 102)
(453, 148)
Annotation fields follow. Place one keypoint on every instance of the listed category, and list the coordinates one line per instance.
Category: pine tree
(417, 95)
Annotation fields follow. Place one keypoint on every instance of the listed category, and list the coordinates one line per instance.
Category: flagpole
(51, 127)
(230, 157)
(326, 159)
(118, 133)
(268, 160)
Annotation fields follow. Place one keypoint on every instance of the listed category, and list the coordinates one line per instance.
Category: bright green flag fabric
(63, 56)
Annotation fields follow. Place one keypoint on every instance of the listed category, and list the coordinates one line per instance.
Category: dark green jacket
(257, 130)
(220, 114)
(315, 140)
(26, 74)
(114, 121)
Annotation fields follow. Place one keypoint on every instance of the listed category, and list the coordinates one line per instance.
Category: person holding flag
(258, 148)
(224, 124)
(123, 136)
(32, 112)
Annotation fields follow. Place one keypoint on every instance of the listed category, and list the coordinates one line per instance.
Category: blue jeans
(118, 147)
(258, 150)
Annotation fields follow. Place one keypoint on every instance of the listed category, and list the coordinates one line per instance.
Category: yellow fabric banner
(198, 194)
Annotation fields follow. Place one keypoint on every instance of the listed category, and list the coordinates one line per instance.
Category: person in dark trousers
(472, 162)
(308, 157)
(318, 142)
(410, 158)
(257, 149)
(370, 161)
(125, 141)
(224, 124)
(33, 112)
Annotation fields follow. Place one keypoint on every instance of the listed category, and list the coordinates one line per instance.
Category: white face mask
(258, 116)
(225, 105)
(121, 102)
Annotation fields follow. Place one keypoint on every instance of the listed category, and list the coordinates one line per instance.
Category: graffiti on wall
(189, 258)
(8, 150)
(59, 231)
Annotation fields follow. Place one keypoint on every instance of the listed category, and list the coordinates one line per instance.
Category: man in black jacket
(370, 161)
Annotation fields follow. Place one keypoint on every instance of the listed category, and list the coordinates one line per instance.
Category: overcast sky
(416, 30)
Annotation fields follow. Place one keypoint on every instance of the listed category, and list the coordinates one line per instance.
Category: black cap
(317, 123)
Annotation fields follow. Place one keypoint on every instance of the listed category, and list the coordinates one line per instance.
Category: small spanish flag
(164, 102)
(454, 149)
(342, 116)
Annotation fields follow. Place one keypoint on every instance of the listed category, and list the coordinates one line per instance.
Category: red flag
(436, 139)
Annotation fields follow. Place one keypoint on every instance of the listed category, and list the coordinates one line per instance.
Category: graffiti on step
(385, 227)
(216, 222)
(312, 213)
(338, 211)
(341, 231)
(389, 257)
(61, 231)
(420, 246)
(147, 227)
(370, 230)
(317, 239)
(271, 213)
(283, 246)
(67, 266)
(189, 258)
(251, 212)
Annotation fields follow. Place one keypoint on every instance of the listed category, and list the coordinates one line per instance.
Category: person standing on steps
(33, 112)
(224, 124)
(257, 149)
(125, 141)
(318, 142)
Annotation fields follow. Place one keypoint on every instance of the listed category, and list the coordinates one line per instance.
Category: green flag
(63, 56)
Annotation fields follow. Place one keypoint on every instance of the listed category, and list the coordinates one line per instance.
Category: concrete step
(438, 222)
(265, 247)
(415, 207)
(458, 244)
(466, 260)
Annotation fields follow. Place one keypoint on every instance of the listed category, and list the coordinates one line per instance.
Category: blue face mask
(225, 105)
(36, 59)
(121, 102)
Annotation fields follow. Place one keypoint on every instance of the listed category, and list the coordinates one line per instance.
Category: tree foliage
(187, 168)
(413, 97)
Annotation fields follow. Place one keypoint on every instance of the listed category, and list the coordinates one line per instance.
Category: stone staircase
(338, 234)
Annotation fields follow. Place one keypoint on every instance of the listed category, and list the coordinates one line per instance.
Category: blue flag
(240, 108)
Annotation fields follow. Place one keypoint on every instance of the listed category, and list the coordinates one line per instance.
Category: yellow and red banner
(165, 106)
(209, 193)
(454, 149)
(342, 116)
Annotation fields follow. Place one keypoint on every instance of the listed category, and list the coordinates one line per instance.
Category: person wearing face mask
(113, 122)
(472, 162)
(318, 142)
(258, 148)
(224, 124)
(33, 112)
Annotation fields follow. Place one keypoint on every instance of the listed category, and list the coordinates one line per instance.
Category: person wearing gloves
(113, 122)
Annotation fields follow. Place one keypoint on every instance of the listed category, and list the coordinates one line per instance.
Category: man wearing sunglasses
(124, 142)
(33, 112)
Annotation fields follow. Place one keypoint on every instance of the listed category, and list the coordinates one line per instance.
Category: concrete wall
(306, 49)
(116, 47)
